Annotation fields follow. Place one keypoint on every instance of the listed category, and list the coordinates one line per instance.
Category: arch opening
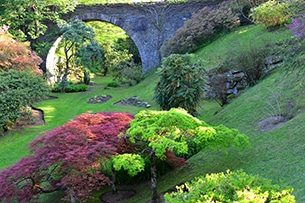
(106, 32)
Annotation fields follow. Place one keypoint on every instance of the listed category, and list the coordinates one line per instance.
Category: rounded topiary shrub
(230, 187)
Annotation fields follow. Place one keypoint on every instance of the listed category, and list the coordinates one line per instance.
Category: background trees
(81, 52)
(26, 18)
(113, 57)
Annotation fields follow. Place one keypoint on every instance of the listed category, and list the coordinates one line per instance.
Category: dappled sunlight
(48, 112)
(243, 31)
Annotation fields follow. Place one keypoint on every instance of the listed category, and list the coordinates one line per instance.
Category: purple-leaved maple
(67, 158)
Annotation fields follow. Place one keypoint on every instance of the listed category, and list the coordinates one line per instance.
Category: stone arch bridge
(149, 25)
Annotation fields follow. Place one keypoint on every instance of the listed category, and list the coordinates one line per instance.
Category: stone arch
(150, 58)
(149, 25)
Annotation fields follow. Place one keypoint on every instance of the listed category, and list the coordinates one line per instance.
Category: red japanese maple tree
(67, 159)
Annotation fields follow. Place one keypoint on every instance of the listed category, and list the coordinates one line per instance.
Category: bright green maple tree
(154, 132)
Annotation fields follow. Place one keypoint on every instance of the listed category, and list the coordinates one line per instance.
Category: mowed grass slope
(277, 154)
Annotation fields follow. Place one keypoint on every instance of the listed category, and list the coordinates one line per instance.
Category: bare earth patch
(36, 119)
(273, 122)
(120, 196)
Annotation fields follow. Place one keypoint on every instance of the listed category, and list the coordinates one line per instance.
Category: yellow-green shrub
(230, 187)
(272, 13)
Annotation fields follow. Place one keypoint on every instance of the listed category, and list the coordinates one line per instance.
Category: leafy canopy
(177, 130)
(271, 13)
(27, 18)
(157, 133)
(67, 159)
(79, 49)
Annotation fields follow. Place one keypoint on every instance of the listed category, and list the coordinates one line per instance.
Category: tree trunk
(105, 71)
(114, 190)
(153, 171)
(72, 196)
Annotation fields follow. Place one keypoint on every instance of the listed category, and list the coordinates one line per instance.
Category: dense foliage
(128, 72)
(75, 35)
(16, 55)
(118, 46)
(202, 28)
(113, 57)
(180, 84)
(230, 187)
(157, 132)
(67, 158)
(27, 18)
(18, 89)
(90, 56)
(71, 87)
(271, 13)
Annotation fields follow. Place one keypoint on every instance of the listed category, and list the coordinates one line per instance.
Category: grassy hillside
(276, 154)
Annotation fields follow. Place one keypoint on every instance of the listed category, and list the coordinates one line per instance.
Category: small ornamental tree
(181, 83)
(18, 89)
(67, 159)
(78, 46)
(156, 132)
(230, 187)
(17, 55)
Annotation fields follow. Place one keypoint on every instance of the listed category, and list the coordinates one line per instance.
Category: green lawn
(277, 154)
(67, 106)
